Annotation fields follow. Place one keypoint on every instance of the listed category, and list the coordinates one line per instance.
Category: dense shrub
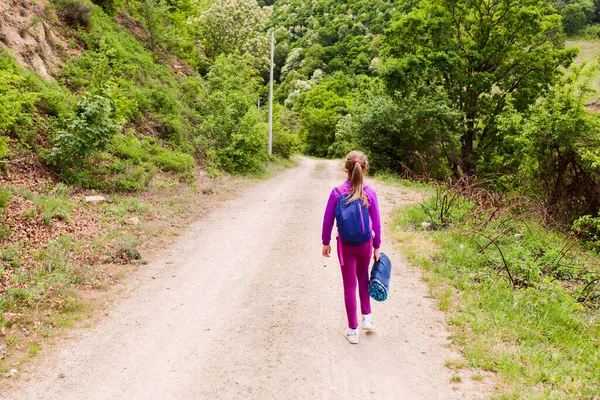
(128, 147)
(587, 228)
(75, 12)
(591, 31)
(573, 18)
(140, 160)
(286, 141)
(170, 161)
(556, 149)
(16, 100)
(89, 131)
(111, 7)
(247, 147)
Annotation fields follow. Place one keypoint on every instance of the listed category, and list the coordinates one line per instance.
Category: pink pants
(355, 261)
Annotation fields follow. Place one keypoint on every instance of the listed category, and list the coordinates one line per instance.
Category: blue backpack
(352, 219)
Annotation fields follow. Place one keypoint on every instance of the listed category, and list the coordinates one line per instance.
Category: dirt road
(245, 307)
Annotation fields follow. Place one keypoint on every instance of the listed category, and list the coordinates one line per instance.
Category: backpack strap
(342, 189)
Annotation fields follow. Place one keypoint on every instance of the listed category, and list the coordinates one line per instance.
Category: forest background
(481, 98)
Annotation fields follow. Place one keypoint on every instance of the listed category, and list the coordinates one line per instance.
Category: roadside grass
(513, 292)
(54, 205)
(391, 178)
(276, 164)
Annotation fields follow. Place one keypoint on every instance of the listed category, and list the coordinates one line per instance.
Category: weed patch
(517, 294)
(51, 207)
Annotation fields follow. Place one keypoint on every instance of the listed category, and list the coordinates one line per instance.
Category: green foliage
(232, 124)
(556, 148)
(4, 198)
(170, 161)
(587, 228)
(111, 7)
(90, 131)
(577, 14)
(3, 147)
(285, 132)
(406, 132)
(55, 101)
(573, 18)
(512, 49)
(128, 147)
(137, 177)
(9, 254)
(329, 35)
(320, 108)
(140, 160)
(235, 26)
(153, 14)
(16, 101)
(246, 150)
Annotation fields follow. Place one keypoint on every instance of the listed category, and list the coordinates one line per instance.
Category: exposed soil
(243, 306)
(29, 30)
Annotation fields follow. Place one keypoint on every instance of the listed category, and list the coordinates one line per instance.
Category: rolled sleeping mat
(377, 290)
(379, 283)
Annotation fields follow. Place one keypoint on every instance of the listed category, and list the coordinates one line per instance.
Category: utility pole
(271, 96)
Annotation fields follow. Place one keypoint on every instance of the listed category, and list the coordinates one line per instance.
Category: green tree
(230, 26)
(573, 18)
(230, 122)
(556, 147)
(153, 13)
(406, 133)
(477, 52)
(90, 130)
(320, 109)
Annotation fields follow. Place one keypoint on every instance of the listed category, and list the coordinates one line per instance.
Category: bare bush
(75, 12)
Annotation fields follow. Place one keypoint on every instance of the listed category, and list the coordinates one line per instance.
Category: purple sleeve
(329, 217)
(374, 214)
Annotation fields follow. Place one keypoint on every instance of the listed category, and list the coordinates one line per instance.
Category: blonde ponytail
(356, 165)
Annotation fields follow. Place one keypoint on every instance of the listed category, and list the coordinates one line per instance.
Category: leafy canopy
(478, 52)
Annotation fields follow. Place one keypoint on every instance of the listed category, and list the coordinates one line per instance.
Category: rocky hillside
(28, 30)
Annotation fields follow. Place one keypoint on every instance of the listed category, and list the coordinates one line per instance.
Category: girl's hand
(376, 254)
(326, 250)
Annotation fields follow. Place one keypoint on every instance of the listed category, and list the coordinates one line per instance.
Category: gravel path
(245, 307)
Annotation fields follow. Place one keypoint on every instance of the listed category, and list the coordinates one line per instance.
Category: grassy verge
(517, 295)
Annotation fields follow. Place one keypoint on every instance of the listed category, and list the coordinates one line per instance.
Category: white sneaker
(352, 335)
(367, 323)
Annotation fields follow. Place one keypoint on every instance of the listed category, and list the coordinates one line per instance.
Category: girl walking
(354, 258)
